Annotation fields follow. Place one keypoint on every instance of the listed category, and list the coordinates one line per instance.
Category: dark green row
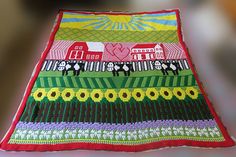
(120, 112)
(113, 82)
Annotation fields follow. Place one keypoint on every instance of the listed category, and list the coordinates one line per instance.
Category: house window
(88, 56)
(97, 57)
(76, 54)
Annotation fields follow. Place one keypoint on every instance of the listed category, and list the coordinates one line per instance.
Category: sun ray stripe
(79, 19)
(146, 25)
(164, 22)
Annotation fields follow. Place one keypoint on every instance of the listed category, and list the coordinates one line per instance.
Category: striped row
(121, 127)
(114, 82)
(121, 112)
(51, 65)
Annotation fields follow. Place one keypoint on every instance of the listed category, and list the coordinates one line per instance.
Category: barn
(90, 51)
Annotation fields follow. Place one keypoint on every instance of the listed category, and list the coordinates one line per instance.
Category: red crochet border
(93, 146)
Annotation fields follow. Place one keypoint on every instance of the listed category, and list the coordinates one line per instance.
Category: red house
(147, 52)
(90, 51)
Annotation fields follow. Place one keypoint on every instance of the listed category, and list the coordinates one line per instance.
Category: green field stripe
(88, 85)
(151, 83)
(124, 82)
(103, 82)
(128, 82)
(111, 83)
(83, 83)
(143, 83)
(38, 84)
(42, 82)
(182, 81)
(92, 83)
(67, 84)
(92, 74)
(163, 81)
(70, 82)
(190, 80)
(167, 81)
(58, 82)
(99, 83)
(178, 80)
(171, 81)
(107, 82)
(62, 81)
(136, 81)
(140, 81)
(155, 81)
(147, 83)
(131, 82)
(46, 82)
(78, 82)
(54, 82)
(175, 81)
(159, 82)
(74, 82)
(50, 82)
(185, 80)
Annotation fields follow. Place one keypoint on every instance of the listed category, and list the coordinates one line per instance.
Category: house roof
(144, 46)
(95, 46)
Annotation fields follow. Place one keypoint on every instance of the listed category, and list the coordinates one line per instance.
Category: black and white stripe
(51, 65)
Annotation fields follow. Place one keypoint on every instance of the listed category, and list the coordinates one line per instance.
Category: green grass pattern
(116, 36)
(115, 82)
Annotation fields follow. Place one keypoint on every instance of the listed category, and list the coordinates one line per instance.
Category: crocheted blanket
(115, 81)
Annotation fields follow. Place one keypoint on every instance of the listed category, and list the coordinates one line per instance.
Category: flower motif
(95, 133)
(138, 94)
(124, 95)
(166, 93)
(154, 132)
(108, 134)
(120, 135)
(202, 132)
(166, 131)
(44, 134)
(192, 92)
(96, 95)
(132, 135)
(53, 94)
(152, 93)
(67, 94)
(178, 130)
(179, 93)
(214, 131)
(20, 134)
(111, 95)
(143, 133)
(190, 131)
(39, 94)
(70, 133)
(83, 133)
(57, 134)
(32, 134)
(82, 95)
